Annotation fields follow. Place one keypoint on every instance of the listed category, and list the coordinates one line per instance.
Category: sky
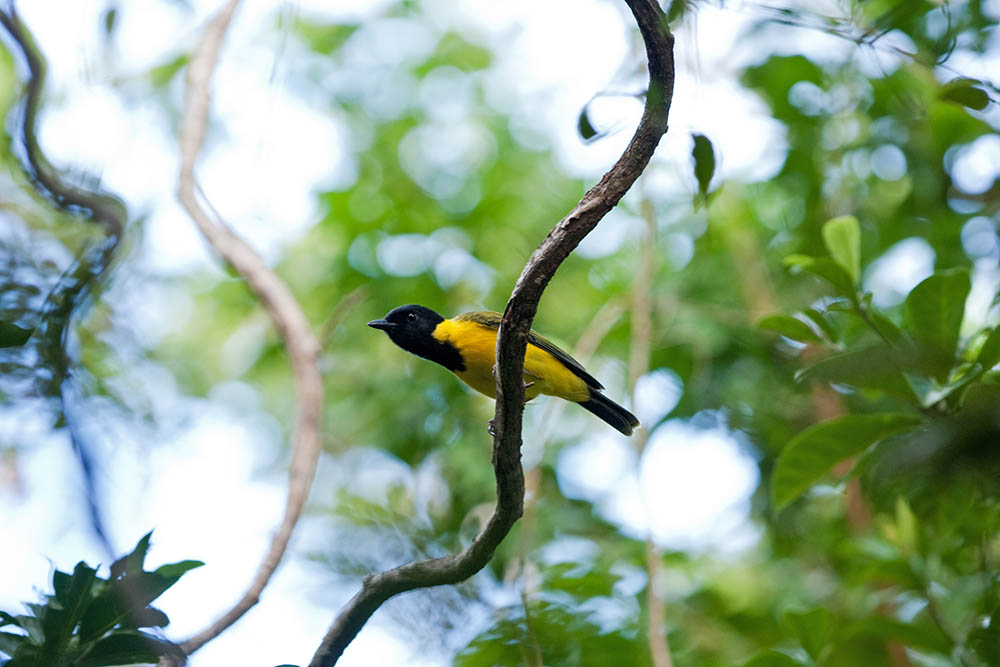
(215, 489)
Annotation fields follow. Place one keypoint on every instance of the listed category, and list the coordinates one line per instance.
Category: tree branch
(302, 346)
(511, 344)
(65, 299)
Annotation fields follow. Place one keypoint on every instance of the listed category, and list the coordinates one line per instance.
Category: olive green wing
(490, 319)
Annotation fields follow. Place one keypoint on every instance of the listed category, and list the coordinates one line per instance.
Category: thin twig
(640, 344)
(511, 345)
(302, 346)
(343, 308)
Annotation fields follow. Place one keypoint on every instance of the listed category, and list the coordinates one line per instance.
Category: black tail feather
(614, 414)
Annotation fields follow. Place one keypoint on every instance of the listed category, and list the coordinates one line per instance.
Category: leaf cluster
(90, 621)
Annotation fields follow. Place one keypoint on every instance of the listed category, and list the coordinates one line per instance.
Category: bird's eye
(412, 317)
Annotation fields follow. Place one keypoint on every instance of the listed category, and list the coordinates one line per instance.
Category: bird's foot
(527, 385)
(491, 427)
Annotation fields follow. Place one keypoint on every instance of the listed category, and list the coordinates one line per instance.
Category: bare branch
(69, 293)
(511, 344)
(291, 323)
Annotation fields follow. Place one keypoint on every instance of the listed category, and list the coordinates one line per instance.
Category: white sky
(208, 500)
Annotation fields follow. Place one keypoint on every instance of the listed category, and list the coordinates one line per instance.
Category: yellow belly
(477, 345)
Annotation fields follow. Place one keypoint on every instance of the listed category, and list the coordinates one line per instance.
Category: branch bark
(511, 344)
(302, 346)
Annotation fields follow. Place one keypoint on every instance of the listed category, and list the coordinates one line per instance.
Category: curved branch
(511, 344)
(302, 345)
(72, 287)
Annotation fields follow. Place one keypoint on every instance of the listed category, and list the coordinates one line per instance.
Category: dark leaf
(823, 322)
(813, 628)
(790, 327)
(989, 353)
(12, 335)
(125, 648)
(772, 659)
(934, 310)
(810, 454)
(150, 617)
(877, 367)
(985, 640)
(9, 642)
(110, 20)
(584, 127)
(132, 562)
(676, 10)
(703, 157)
(828, 270)
(74, 596)
(922, 637)
(966, 92)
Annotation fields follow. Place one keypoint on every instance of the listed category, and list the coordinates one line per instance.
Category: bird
(466, 346)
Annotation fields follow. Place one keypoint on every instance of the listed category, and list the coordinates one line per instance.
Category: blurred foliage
(873, 409)
(91, 621)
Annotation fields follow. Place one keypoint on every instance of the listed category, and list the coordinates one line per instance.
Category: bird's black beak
(381, 324)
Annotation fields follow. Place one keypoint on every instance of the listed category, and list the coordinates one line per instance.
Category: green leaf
(110, 20)
(132, 562)
(12, 335)
(7, 619)
(9, 642)
(74, 595)
(584, 127)
(29, 655)
(906, 527)
(985, 640)
(703, 157)
(676, 10)
(966, 92)
(934, 311)
(790, 327)
(323, 37)
(161, 75)
(813, 628)
(772, 658)
(878, 367)
(823, 322)
(828, 270)
(922, 637)
(810, 454)
(842, 237)
(886, 328)
(176, 570)
(125, 648)
(989, 353)
(125, 601)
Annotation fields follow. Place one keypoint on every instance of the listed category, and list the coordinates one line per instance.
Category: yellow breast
(477, 345)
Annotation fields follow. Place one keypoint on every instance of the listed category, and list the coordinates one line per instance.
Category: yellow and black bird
(466, 345)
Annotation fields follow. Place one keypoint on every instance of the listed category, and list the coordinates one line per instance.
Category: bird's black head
(412, 328)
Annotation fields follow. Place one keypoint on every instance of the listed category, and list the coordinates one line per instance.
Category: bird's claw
(492, 427)
(527, 385)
